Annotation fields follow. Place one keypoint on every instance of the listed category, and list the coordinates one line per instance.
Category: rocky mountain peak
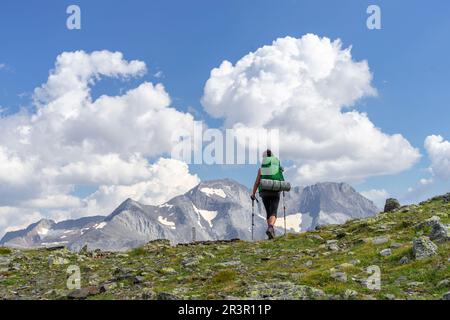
(216, 209)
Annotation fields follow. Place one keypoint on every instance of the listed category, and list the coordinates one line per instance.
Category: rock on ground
(391, 205)
(423, 247)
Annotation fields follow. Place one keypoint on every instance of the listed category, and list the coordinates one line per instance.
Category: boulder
(332, 245)
(391, 205)
(423, 247)
(440, 232)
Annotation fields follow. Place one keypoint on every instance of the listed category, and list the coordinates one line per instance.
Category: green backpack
(271, 169)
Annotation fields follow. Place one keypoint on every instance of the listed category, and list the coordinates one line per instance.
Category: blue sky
(186, 39)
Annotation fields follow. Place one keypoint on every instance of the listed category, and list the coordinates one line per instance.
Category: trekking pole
(253, 216)
(284, 210)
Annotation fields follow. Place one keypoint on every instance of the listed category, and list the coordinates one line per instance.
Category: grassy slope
(301, 259)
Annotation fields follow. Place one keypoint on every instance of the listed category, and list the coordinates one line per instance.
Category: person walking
(270, 169)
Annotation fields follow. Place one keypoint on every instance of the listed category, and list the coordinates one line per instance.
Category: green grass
(283, 259)
(4, 251)
(138, 252)
(224, 276)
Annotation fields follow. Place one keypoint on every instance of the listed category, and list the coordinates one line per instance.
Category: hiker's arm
(257, 181)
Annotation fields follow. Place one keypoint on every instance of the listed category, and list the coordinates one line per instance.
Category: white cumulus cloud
(307, 89)
(167, 179)
(438, 151)
(72, 139)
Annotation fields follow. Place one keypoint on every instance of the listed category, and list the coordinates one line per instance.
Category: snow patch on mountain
(166, 222)
(212, 191)
(205, 214)
(101, 225)
(293, 222)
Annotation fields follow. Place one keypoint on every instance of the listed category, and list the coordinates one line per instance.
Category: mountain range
(213, 210)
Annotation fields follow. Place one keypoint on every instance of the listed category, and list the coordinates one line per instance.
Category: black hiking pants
(271, 200)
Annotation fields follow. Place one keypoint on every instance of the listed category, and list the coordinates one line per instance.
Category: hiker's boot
(270, 232)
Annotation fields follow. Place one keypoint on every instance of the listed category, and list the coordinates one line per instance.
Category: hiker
(271, 170)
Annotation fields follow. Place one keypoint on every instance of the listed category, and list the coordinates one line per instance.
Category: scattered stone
(380, 240)
(83, 293)
(338, 275)
(395, 245)
(191, 261)
(284, 291)
(386, 252)
(332, 245)
(423, 247)
(148, 294)
(138, 279)
(57, 261)
(122, 274)
(316, 237)
(404, 260)
(446, 296)
(355, 262)
(400, 280)
(444, 283)
(350, 294)
(308, 263)
(231, 263)
(166, 296)
(390, 296)
(108, 286)
(391, 205)
(415, 284)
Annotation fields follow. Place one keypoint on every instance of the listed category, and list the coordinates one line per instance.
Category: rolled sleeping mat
(274, 185)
